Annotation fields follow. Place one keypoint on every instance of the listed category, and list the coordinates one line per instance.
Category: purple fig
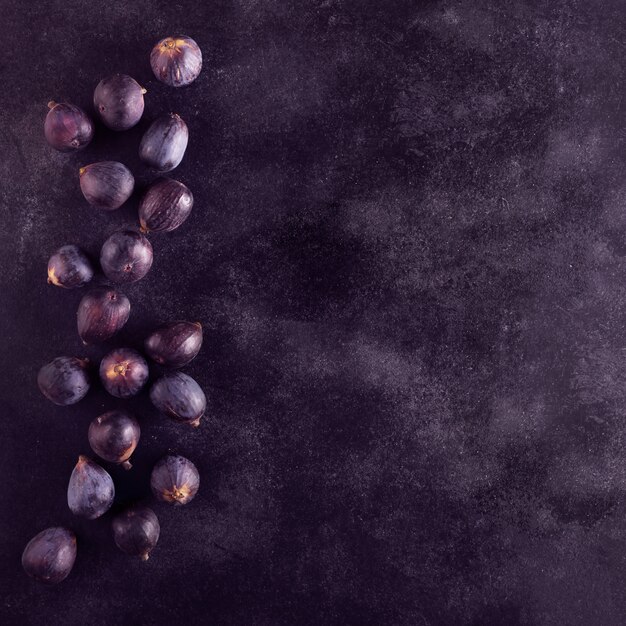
(113, 436)
(175, 480)
(106, 184)
(119, 101)
(136, 531)
(67, 127)
(123, 372)
(102, 313)
(165, 206)
(49, 556)
(174, 344)
(176, 61)
(90, 491)
(69, 267)
(64, 380)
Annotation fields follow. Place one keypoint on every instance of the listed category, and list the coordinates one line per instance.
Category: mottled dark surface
(408, 253)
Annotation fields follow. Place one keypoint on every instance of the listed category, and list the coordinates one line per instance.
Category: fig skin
(165, 206)
(69, 267)
(113, 436)
(118, 99)
(126, 257)
(64, 380)
(90, 492)
(123, 372)
(175, 480)
(67, 127)
(174, 344)
(106, 185)
(176, 61)
(163, 145)
(50, 555)
(179, 396)
(136, 531)
(102, 313)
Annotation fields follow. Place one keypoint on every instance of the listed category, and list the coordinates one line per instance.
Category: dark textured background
(408, 252)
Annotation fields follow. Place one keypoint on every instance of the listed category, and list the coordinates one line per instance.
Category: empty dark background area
(408, 254)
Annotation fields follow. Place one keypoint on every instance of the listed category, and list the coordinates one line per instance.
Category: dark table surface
(408, 253)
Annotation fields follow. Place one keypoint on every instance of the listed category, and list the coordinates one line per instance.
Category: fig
(164, 143)
(123, 372)
(64, 380)
(176, 61)
(165, 206)
(119, 101)
(175, 480)
(174, 344)
(179, 397)
(113, 436)
(107, 184)
(136, 531)
(67, 127)
(69, 267)
(91, 491)
(102, 313)
(49, 556)
(126, 257)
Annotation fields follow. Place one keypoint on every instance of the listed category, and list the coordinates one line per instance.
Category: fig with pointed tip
(136, 531)
(164, 143)
(113, 436)
(175, 344)
(176, 61)
(126, 257)
(119, 101)
(69, 267)
(102, 313)
(90, 491)
(64, 380)
(106, 184)
(165, 206)
(123, 372)
(175, 480)
(179, 397)
(67, 127)
(49, 556)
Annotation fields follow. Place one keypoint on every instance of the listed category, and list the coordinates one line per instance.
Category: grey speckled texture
(408, 253)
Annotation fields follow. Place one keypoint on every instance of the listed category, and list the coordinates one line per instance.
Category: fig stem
(195, 423)
(127, 465)
(145, 556)
(81, 171)
(51, 104)
(144, 90)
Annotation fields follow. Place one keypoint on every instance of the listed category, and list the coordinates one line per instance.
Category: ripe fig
(102, 313)
(107, 184)
(119, 101)
(166, 205)
(126, 257)
(123, 372)
(113, 436)
(136, 531)
(64, 380)
(175, 480)
(175, 344)
(67, 127)
(176, 61)
(91, 491)
(69, 267)
(164, 143)
(49, 556)
(179, 397)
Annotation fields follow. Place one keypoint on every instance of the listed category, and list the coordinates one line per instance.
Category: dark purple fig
(69, 267)
(164, 143)
(123, 372)
(179, 397)
(166, 205)
(175, 344)
(91, 491)
(176, 61)
(67, 127)
(119, 101)
(175, 480)
(65, 380)
(102, 313)
(136, 531)
(49, 556)
(126, 257)
(107, 184)
(113, 436)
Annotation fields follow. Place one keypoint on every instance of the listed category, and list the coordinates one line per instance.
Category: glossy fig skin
(102, 313)
(163, 145)
(113, 436)
(136, 531)
(175, 480)
(50, 555)
(90, 492)
(174, 344)
(165, 206)
(69, 267)
(126, 257)
(67, 127)
(176, 61)
(119, 101)
(64, 380)
(106, 185)
(123, 372)
(179, 396)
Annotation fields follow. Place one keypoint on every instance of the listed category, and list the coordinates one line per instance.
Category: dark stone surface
(408, 254)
